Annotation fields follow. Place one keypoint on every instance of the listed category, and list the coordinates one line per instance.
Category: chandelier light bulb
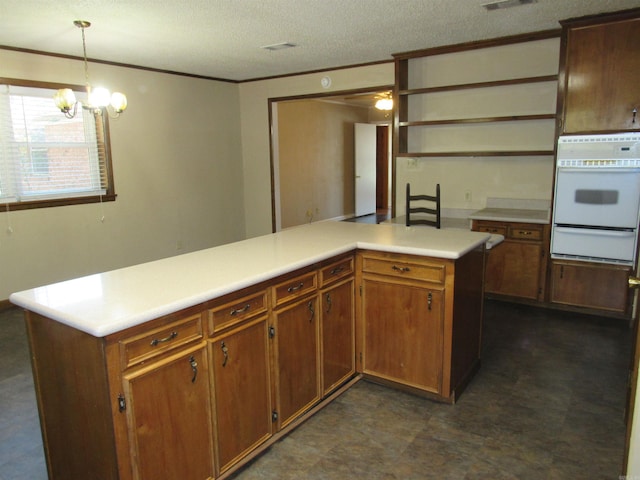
(99, 97)
(119, 102)
(64, 99)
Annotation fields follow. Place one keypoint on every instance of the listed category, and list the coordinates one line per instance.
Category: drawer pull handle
(294, 288)
(336, 270)
(401, 269)
(238, 311)
(329, 302)
(156, 341)
(225, 352)
(525, 232)
(194, 368)
(429, 300)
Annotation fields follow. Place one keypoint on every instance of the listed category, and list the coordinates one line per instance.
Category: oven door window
(597, 197)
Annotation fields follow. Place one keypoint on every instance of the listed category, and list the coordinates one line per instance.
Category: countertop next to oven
(515, 210)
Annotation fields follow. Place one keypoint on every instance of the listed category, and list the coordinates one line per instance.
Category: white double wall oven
(597, 198)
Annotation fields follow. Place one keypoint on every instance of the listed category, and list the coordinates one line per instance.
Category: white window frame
(96, 142)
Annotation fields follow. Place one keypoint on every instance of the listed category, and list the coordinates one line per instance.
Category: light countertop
(454, 218)
(514, 210)
(108, 302)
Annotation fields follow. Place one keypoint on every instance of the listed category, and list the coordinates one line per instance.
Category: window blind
(43, 154)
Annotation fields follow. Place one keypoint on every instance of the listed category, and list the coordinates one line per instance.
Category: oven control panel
(599, 151)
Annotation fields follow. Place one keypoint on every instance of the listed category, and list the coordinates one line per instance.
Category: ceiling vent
(279, 46)
(506, 4)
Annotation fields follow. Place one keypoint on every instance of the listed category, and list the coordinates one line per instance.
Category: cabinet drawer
(336, 271)
(404, 269)
(496, 229)
(525, 232)
(237, 310)
(295, 287)
(150, 344)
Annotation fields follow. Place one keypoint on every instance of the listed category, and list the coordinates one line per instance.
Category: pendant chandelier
(98, 99)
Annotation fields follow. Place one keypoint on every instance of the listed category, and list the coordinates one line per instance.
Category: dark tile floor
(547, 404)
(21, 455)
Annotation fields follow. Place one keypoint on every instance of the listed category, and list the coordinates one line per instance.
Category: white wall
(178, 176)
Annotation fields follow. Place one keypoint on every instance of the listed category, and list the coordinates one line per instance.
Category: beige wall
(254, 117)
(178, 176)
(315, 160)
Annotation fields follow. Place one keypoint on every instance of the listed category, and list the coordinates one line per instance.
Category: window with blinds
(47, 159)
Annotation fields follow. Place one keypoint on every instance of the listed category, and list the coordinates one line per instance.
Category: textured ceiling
(222, 38)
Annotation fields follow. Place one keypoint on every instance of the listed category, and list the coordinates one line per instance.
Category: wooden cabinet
(403, 339)
(133, 405)
(296, 346)
(590, 285)
(419, 327)
(169, 418)
(197, 393)
(601, 63)
(239, 352)
(165, 398)
(337, 324)
(517, 266)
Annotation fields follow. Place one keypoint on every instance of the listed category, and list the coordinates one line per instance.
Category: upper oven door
(599, 197)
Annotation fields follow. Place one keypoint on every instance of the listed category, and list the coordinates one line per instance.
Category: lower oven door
(609, 246)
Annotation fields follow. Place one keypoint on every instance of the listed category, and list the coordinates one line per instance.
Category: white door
(365, 168)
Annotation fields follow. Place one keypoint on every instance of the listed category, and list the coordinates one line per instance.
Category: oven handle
(598, 170)
(593, 231)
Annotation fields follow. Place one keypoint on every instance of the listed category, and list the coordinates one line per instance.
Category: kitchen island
(189, 366)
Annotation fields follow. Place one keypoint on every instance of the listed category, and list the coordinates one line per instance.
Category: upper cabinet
(491, 98)
(601, 59)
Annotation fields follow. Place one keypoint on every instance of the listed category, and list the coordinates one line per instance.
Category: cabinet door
(242, 391)
(297, 359)
(403, 333)
(513, 268)
(338, 347)
(590, 285)
(169, 419)
(602, 65)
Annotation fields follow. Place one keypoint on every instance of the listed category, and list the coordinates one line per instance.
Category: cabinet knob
(401, 269)
(237, 311)
(168, 338)
(329, 303)
(194, 368)
(312, 312)
(225, 352)
(336, 270)
(295, 288)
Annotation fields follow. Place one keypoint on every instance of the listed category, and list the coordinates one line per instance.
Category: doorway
(312, 156)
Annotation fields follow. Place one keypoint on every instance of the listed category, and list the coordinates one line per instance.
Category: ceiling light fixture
(506, 4)
(385, 102)
(98, 99)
